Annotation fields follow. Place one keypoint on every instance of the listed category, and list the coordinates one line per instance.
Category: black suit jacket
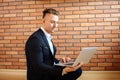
(40, 61)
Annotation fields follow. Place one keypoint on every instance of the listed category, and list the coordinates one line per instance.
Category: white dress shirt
(49, 39)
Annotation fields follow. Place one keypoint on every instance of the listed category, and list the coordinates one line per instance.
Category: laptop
(84, 56)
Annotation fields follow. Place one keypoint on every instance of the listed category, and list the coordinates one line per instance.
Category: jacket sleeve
(35, 59)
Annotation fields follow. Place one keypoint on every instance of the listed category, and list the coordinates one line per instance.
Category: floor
(6, 74)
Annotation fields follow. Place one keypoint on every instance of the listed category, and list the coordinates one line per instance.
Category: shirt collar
(46, 33)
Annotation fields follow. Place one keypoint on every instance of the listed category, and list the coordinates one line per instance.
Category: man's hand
(73, 68)
(65, 59)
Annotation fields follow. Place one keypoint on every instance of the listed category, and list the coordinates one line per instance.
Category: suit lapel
(45, 40)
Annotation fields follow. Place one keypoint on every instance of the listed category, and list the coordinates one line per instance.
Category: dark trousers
(72, 75)
(69, 76)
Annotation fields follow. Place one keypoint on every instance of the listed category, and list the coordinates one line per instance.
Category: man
(40, 53)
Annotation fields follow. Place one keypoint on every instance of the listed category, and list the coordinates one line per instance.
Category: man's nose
(55, 24)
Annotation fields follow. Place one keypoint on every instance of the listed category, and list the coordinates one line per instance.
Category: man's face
(50, 22)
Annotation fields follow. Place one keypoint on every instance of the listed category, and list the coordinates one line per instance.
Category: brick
(9, 7)
(12, 67)
(102, 15)
(73, 32)
(9, 45)
(80, 4)
(22, 60)
(116, 64)
(104, 64)
(5, 63)
(87, 24)
(79, 20)
(61, 48)
(9, 15)
(98, 68)
(65, 20)
(111, 19)
(4, 41)
(95, 11)
(50, 5)
(72, 8)
(116, 31)
(111, 52)
(73, 40)
(12, 60)
(95, 36)
(16, 26)
(72, 48)
(110, 2)
(115, 15)
(95, 3)
(65, 4)
(110, 44)
(59, 1)
(22, 14)
(87, 7)
(80, 28)
(65, 37)
(66, 29)
(104, 48)
(103, 7)
(16, 18)
(16, 41)
(19, 63)
(66, 12)
(105, 56)
(2, 31)
(91, 64)
(73, 24)
(79, 36)
(95, 44)
(116, 23)
(115, 6)
(103, 32)
(116, 40)
(29, 18)
(8, 0)
(10, 37)
(80, 12)
(29, 10)
(116, 48)
(113, 60)
(71, 16)
(28, 2)
(15, 3)
(88, 32)
(87, 16)
(87, 40)
(96, 28)
(22, 7)
(116, 56)
(66, 52)
(81, 44)
(111, 11)
(111, 36)
(96, 20)
(98, 60)
(18, 49)
(71, 1)
(65, 44)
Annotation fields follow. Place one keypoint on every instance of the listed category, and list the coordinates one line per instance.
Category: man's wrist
(64, 72)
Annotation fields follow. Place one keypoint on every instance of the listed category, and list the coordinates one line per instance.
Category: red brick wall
(83, 23)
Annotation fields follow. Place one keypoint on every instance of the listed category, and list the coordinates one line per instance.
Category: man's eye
(54, 22)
